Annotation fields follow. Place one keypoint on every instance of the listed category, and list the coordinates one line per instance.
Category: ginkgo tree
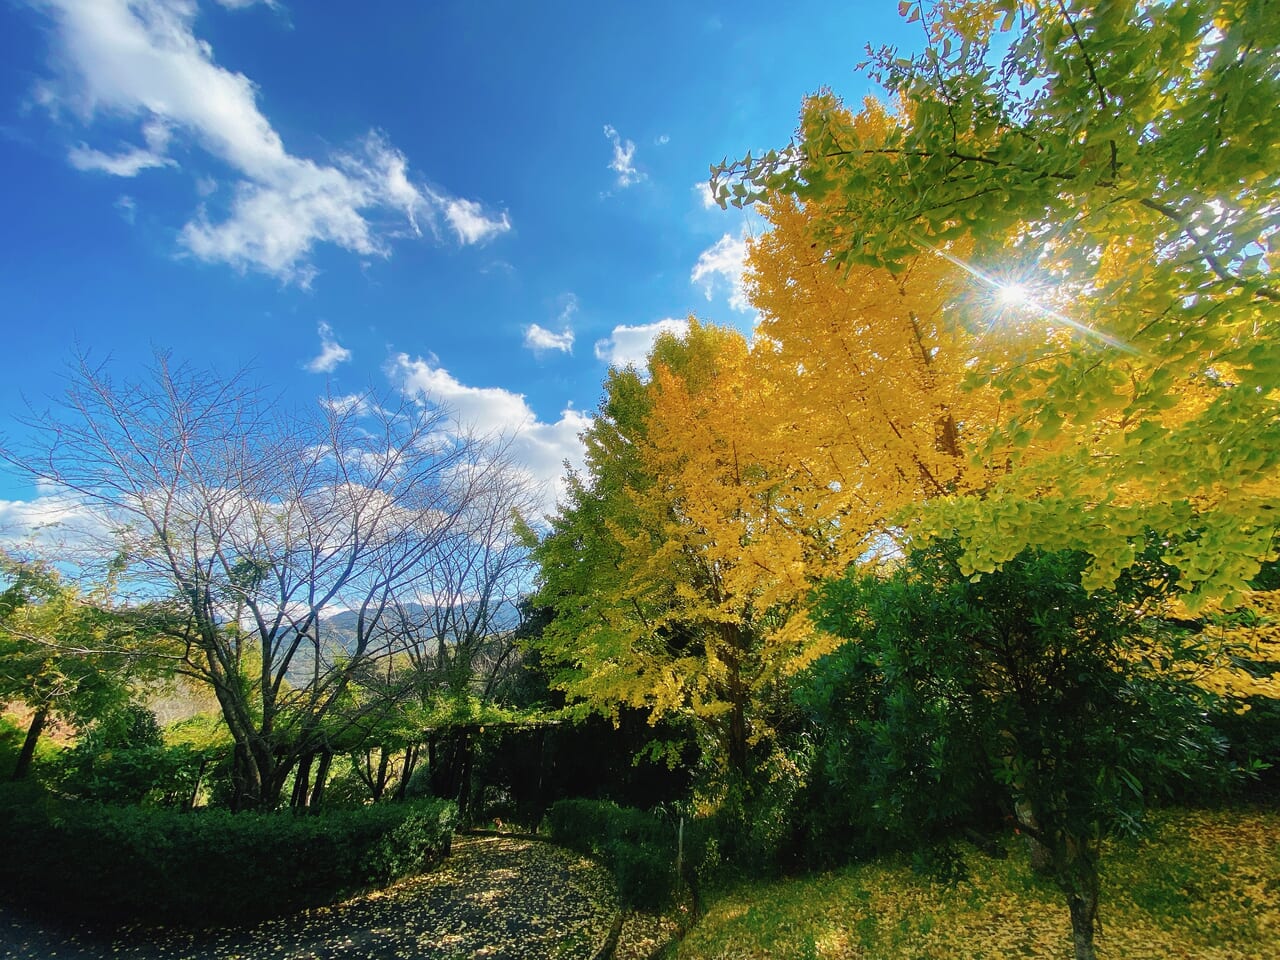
(1105, 181)
(643, 616)
(1109, 174)
(721, 489)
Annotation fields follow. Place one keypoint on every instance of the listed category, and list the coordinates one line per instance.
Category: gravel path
(499, 898)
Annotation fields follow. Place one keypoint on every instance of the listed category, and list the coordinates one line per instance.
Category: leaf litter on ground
(499, 898)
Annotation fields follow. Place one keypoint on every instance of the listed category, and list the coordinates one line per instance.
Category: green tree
(1021, 682)
(56, 652)
(1111, 171)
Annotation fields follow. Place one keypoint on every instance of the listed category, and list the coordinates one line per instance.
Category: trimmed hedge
(638, 848)
(206, 867)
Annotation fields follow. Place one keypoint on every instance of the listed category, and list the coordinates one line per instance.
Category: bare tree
(452, 635)
(260, 524)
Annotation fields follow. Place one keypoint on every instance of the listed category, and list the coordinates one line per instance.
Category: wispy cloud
(624, 153)
(469, 221)
(348, 403)
(719, 270)
(703, 189)
(132, 160)
(539, 447)
(331, 352)
(127, 207)
(242, 4)
(130, 163)
(630, 345)
(539, 339)
(141, 59)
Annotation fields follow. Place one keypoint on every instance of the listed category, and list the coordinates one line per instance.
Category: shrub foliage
(206, 867)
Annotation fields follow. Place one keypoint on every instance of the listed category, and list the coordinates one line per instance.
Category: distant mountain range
(339, 632)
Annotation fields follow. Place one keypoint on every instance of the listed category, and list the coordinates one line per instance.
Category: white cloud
(662, 140)
(720, 267)
(703, 189)
(141, 59)
(131, 161)
(472, 226)
(539, 448)
(243, 4)
(128, 208)
(538, 339)
(127, 164)
(55, 518)
(331, 353)
(630, 345)
(348, 403)
(623, 163)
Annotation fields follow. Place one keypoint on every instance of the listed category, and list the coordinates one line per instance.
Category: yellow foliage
(1242, 648)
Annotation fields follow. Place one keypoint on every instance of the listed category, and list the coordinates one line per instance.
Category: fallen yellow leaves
(1206, 887)
(494, 897)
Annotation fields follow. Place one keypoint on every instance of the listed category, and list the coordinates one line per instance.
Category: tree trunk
(302, 784)
(23, 766)
(1084, 911)
(379, 784)
(464, 788)
(322, 775)
(1081, 885)
(195, 789)
(410, 764)
(247, 778)
(1039, 855)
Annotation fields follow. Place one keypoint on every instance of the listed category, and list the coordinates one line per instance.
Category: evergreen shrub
(209, 867)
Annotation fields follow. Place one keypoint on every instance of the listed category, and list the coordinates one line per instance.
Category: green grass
(1206, 885)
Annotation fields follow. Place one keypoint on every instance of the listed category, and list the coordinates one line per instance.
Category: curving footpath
(494, 897)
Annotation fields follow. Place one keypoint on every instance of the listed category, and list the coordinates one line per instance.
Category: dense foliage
(206, 867)
(640, 849)
(1110, 162)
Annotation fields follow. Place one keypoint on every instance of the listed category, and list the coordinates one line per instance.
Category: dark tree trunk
(410, 764)
(464, 787)
(302, 784)
(28, 752)
(195, 789)
(543, 768)
(322, 776)
(246, 788)
(379, 784)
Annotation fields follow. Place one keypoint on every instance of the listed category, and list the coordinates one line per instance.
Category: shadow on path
(499, 898)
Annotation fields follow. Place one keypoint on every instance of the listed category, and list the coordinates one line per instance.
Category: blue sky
(491, 201)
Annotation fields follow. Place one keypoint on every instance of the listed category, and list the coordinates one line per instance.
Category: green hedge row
(638, 848)
(206, 867)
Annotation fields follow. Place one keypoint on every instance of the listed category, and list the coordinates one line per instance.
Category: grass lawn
(1205, 885)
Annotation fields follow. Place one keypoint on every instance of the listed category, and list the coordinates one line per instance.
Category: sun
(1012, 295)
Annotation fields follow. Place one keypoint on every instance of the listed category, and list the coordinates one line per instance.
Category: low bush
(206, 867)
(640, 849)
